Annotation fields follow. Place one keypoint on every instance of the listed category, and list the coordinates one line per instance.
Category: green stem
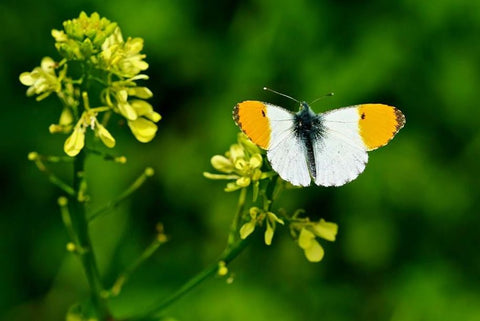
(232, 250)
(51, 176)
(132, 188)
(233, 235)
(67, 220)
(80, 225)
(118, 285)
(229, 254)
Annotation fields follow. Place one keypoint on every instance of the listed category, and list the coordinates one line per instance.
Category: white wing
(286, 152)
(340, 154)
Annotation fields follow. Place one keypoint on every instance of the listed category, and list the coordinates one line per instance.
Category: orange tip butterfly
(329, 148)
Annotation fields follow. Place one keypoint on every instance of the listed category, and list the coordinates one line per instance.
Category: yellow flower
(76, 141)
(272, 221)
(124, 107)
(307, 233)
(242, 163)
(123, 57)
(108, 61)
(42, 80)
(313, 250)
(325, 230)
(143, 127)
(65, 122)
(83, 36)
(140, 114)
(257, 217)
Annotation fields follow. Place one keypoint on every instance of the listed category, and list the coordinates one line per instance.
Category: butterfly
(329, 148)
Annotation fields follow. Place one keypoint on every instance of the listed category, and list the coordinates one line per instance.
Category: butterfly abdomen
(309, 128)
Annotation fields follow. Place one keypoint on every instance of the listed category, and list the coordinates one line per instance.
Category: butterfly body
(330, 148)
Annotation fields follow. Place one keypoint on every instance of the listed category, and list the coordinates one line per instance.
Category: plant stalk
(230, 253)
(80, 225)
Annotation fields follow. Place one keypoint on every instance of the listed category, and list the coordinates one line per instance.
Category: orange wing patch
(378, 124)
(251, 117)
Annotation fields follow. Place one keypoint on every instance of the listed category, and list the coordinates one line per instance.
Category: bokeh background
(408, 242)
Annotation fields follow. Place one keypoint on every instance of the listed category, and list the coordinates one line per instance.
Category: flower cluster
(242, 163)
(257, 217)
(306, 233)
(108, 61)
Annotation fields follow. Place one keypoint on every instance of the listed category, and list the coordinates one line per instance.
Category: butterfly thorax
(309, 127)
(307, 124)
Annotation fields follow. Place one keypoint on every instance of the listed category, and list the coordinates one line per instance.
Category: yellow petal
(315, 252)
(254, 211)
(66, 117)
(248, 144)
(243, 181)
(256, 161)
(247, 229)
(231, 187)
(135, 45)
(104, 135)
(236, 151)
(222, 164)
(326, 230)
(269, 232)
(55, 129)
(26, 79)
(274, 218)
(153, 116)
(122, 96)
(140, 92)
(143, 129)
(127, 110)
(75, 142)
(219, 176)
(59, 35)
(305, 238)
(241, 164)
(143, 108)
(257, 174)
(48, 64)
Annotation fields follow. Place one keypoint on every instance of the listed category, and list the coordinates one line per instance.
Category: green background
(408, 241)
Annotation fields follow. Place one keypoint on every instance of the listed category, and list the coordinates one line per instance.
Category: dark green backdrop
(408, 241)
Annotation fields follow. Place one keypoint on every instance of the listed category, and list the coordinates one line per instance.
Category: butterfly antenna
(320, 98)
(278, 93)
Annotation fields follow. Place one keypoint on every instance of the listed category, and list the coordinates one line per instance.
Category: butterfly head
(305, 111)
(304, 106)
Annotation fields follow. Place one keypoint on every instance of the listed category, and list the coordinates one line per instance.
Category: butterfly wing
(348, 133)
(271, 127)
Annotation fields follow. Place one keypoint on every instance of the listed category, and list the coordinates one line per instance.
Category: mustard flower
(76, 141)
(42, 80)
(123, 57)
(140, 114)
(65, 123)
(307, 232)
(242, 164)
(83, 36)
(257, 217)
(107, 60)
(143, 127)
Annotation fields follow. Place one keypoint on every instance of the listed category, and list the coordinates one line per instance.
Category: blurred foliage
(408, 226)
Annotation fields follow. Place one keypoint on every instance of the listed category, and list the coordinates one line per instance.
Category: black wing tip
(235, 115)
(400, 117)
